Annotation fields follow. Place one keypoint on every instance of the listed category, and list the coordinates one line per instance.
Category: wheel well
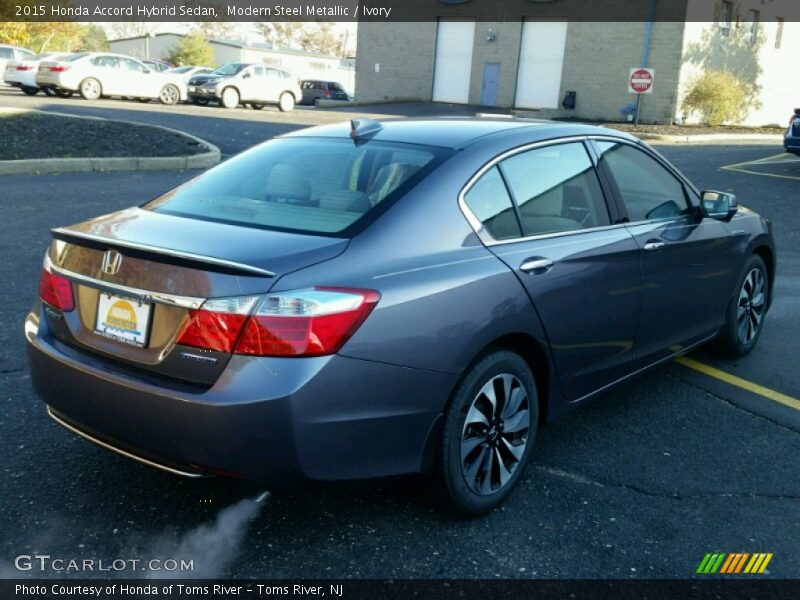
(533, 353)
(765, 252)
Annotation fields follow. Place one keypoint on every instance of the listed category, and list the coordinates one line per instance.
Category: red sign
(641, 81)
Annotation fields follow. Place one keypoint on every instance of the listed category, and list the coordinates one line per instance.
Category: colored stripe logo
(734, 562)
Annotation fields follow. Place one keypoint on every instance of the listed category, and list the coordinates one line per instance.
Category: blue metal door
(491, 81)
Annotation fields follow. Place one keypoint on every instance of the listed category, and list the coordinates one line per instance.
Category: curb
(42, 166)
(706, 137)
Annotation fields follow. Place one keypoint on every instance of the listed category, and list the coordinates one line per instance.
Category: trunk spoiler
(159, 254)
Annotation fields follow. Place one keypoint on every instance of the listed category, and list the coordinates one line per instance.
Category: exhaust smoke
(212, 546)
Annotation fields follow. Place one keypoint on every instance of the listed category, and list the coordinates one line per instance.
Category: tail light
(59, 68)
(24, 68)
(56, 290)
(309, 322)
(326, 93)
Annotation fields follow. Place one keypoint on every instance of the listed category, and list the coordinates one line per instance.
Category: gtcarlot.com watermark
(45, 563)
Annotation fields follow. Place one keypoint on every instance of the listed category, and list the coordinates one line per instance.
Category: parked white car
(245, 83)
(185, 73)
(96, 74)
(12, 53)
(22, 74)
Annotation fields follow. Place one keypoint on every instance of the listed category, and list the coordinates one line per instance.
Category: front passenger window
(648, 190)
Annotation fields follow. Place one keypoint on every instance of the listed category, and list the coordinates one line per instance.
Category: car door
(106, 70)
(687, 265)
(249, 82)
(547, 218)
(274, 84)
(138, 80)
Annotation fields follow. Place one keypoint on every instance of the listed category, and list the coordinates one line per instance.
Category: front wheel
(230, 98)
(745, 314)
(286, 102)
(488, 433)
(200, 101)
(169, 95)
(91, 89)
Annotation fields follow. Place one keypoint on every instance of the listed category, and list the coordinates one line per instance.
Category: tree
(192, 49)
(280, 34)
(321, 39)
(217, 30)
(41, 36)
(92, 38)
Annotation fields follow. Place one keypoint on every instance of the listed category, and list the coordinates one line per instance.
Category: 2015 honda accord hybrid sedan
(383, 298)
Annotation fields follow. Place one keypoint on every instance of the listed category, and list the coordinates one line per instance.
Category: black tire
(64, 93)
(744, 316)
(200, 101)
(29, 91)
(144, 100)
(257, 105)
(457, 487)
(170, 95)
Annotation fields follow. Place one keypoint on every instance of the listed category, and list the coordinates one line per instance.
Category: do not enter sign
(641, 81)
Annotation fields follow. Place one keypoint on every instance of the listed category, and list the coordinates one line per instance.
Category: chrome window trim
(165, 251)
(477, 226)
(157, 297)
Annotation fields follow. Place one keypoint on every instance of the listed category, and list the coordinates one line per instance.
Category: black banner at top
(395, 10)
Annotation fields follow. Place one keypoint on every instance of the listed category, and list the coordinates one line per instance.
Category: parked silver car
(246, 83)
(96, 74)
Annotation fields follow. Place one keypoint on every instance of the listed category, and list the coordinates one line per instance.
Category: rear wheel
(200, 101)
(64, 93)
(257, 105)
(169, 95)
(29, 91)
(745, 314)
(91, 89)
(230, 98)
(488, 433)
(144, 100)
(286, 102)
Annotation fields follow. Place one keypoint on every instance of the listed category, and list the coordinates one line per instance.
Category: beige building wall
(769, 63)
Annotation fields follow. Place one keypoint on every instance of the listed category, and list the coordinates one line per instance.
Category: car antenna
(362, 127)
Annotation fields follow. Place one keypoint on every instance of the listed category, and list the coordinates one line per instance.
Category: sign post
(640, 81)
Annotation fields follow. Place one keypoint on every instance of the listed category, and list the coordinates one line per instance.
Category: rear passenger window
(556, 189)
(489, 201)
(648, 190)
(6, 53)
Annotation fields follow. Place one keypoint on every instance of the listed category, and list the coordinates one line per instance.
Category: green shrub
(718, 97)
(192, 49)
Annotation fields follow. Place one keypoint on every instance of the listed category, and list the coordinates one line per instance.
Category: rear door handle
(651, 246)
(536, 265)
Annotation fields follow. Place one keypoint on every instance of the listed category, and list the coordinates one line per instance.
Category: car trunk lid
(137, 274)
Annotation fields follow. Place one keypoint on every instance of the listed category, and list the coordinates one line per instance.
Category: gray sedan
(385, 298)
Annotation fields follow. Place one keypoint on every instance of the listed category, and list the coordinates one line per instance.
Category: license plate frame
(129, 324)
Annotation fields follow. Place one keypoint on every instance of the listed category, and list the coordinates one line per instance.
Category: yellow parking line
(754, 388)
(736, 169)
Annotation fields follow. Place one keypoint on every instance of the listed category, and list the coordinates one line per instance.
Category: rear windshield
(229, 69)
(309, 185)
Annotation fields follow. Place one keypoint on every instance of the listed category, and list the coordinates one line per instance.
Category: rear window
(309, 185)
(6, 53)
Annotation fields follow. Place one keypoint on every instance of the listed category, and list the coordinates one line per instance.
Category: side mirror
(247, 76)
(718, 205)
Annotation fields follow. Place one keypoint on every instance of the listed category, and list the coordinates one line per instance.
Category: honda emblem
(111, 262)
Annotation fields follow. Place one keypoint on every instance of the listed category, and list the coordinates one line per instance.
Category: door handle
(536, 265)
(651, 246)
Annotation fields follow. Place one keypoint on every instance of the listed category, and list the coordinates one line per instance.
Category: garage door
(453, 61)
(541, 60)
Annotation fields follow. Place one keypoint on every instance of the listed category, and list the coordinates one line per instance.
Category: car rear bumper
(274, 420)
(792, 144)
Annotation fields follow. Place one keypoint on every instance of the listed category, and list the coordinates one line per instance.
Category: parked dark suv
(792, 140)
(327, 90)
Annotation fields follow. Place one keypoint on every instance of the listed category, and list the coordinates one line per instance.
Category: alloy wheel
(750, 309)
(495, 434)
(169, 95)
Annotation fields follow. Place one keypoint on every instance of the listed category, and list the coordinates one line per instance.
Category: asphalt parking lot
(641, 483)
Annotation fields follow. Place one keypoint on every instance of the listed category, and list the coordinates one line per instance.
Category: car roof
(459, 132)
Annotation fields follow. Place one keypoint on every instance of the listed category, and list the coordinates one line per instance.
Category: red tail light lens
(56, 291)
(218, 324)
(311, 322)
(24, 68)
(59, 68)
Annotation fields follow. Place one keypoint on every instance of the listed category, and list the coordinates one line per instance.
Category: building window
(779, 34)
(726, 18)
(755, 18)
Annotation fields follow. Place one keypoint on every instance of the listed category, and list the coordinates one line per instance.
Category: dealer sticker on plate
(123, 319)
